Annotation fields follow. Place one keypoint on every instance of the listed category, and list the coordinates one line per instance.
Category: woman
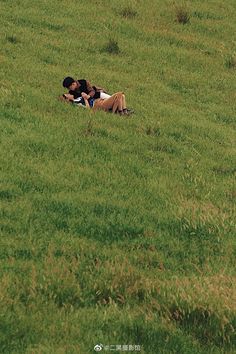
(115, 103)
(80, 101)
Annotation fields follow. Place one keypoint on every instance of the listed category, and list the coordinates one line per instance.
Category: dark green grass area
(119, 231)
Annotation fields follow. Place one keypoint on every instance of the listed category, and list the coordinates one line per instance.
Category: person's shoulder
(82, 81)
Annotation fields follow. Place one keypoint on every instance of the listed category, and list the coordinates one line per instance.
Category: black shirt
(84, 88)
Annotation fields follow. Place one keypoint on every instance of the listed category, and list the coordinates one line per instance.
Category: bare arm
(86, 103)
(86, 98)
(91, 91)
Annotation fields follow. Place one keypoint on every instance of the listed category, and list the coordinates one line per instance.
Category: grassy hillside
(118, 231)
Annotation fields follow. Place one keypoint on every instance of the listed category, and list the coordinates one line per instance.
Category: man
(79, 88)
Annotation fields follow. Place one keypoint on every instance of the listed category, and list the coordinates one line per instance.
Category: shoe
(128, 111)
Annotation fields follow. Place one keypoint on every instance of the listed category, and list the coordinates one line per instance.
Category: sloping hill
(118, 231)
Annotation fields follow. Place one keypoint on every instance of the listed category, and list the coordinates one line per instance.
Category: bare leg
(124, 103)
(114, 103)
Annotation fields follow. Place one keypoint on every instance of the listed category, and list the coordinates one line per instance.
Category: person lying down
(115, 103)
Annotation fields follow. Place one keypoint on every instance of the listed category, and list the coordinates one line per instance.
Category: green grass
(118, 231)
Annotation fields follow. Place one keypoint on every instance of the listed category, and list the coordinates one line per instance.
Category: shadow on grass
(155, 338)
(15, 334)
(105, 223)
(205, 325)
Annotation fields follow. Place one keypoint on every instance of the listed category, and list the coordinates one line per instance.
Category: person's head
(70, 83)
(67, 97)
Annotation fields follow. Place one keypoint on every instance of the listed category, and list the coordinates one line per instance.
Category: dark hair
(68, 81)
(63, 98)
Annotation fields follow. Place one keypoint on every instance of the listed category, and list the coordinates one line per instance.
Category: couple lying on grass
(82, 93)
